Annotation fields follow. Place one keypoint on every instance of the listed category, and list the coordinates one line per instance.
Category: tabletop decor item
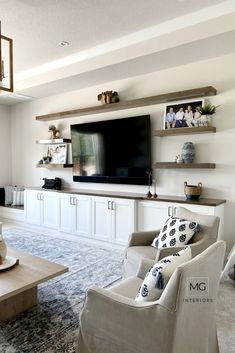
(9, 262)
(192, 192)
(149, 194)
(155, 186)
(188, 152)
(108, 97)
(207, 111)
(183, 114)
(3, 247)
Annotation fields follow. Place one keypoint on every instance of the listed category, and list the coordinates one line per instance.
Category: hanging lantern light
(6, 63)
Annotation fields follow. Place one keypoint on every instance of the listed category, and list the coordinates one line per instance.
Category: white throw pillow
(18, 198)
(176, 232)
(158, 276)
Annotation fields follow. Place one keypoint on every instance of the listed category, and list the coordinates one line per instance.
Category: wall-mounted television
(112, 151)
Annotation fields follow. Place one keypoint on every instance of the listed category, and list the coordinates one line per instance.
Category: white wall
(219, 147)
(5, 146)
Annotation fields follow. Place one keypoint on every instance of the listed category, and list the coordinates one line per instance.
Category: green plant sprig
(208, 109)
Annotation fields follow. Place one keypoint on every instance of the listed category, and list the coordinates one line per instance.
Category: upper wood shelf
(53, 141)
(185, 131)
(173, 165)
(54, 165)
(134, 103)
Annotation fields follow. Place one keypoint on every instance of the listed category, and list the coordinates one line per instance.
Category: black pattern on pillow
(158, 276)
(176, 232)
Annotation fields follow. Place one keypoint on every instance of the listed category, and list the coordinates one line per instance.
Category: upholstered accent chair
(113, 322)
(139, 246)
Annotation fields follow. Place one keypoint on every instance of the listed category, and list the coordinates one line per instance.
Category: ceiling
(109, 40)
(37, 27)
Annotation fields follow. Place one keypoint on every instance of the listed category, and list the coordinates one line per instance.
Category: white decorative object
(18, 198)
(175, 232)
(8, 262)
(157, 278)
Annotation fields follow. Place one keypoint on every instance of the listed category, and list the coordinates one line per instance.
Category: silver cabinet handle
(113, 205)
(75, 201)
(38, 196)
(174, 210)
(71, 200)
(109, 205)
(41, 197)
(169, 211)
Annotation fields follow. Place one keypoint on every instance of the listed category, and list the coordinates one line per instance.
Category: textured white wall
(5, 146)
(218, 147)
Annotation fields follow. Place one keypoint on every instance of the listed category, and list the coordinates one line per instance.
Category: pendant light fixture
(6, 63)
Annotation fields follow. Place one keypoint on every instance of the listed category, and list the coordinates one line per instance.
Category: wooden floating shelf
(185, 131)
(173, 165)
(52, 165)
(134, 103)
(53, 142)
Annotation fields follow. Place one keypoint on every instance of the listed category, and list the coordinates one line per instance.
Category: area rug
(52, 326)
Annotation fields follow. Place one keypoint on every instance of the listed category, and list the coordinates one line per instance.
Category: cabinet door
(67, 213)
(101, 217)
(49, 210)
(152, 214)
(123, 219)
(83, 215)
(205, 210)
(32, 207)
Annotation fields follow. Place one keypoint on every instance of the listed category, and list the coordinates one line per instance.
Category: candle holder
(149, 194)
(155, 186)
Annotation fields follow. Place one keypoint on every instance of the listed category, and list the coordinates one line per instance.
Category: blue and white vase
(188, 152)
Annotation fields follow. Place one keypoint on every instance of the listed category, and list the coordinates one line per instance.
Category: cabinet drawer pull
(38, 196)
(109, 205)
(169, 211)
(113, 205)
(41, 197)
(71, 200)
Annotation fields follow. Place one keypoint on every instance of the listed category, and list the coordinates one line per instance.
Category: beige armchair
(139, 246)
(113, 322)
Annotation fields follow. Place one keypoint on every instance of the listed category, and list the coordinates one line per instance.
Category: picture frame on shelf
(183, 114)
(58, 153)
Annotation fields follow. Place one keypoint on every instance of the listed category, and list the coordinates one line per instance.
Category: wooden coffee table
(18, 285)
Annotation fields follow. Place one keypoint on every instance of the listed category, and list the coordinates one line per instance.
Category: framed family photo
(183, 114)
(58, 154)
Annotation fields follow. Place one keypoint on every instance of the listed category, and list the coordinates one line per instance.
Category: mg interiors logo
(197, 290)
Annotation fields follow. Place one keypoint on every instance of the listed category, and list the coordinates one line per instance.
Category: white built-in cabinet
(75, 214)
(95, 217)
(41, 208)
(152, 215)
(105, 219)
(113, 219)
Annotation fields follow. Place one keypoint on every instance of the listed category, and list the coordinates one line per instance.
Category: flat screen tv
(112, 151)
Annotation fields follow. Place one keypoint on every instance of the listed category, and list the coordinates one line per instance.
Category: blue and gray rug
(52, 326)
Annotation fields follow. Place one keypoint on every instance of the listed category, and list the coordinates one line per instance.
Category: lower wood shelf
(173, 165)
(53, 165)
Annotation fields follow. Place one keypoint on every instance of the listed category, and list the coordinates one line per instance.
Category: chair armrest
(144, 267)
(196, 248)
(142, 238)
(109, 323)
(164, 252)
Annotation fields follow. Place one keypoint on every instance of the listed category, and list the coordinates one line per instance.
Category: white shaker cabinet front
(41, 208)
(113, 219)
(152, 214)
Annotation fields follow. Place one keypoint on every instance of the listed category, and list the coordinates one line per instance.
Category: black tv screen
(113, 151)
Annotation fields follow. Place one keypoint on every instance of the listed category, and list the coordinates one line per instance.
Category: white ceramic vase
(3, 247)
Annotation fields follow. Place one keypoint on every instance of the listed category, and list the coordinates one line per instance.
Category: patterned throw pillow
(156, 279)
(175, 232)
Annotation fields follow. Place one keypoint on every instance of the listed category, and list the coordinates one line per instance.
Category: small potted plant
(206, 113)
